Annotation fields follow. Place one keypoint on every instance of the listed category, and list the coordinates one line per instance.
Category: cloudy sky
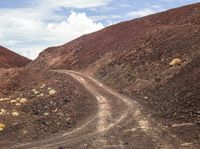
(29, 26)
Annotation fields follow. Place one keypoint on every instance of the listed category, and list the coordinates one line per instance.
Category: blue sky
(29, 26)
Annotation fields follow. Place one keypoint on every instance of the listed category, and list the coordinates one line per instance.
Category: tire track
(167, 141)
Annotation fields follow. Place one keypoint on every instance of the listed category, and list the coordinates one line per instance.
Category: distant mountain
(155, 58)
(10, 59)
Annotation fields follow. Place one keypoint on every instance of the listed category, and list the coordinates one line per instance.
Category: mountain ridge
(119, 37)
(10, 59)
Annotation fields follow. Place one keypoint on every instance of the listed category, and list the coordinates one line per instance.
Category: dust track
(119, 124)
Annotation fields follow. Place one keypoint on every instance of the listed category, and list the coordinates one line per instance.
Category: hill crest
(10, 59)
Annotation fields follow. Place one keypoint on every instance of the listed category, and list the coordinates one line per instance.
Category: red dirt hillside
(10, 59)
(38, 104)
(176, 29)
(155, 58)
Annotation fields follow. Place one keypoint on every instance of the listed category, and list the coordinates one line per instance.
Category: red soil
(10, 59)
(134, 57)
(54, 103)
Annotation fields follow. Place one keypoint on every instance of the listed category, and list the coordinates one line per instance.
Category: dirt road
(120, 123)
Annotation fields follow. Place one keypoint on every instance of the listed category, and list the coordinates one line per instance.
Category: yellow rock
(46, 114)
(13, 101)
(4, 99)
(42, 86)
(175, 61)
(52, 92)
(24, 131)
(41, 95)
(18, 104)
(15, 114)
(23, 100)
(2, 112)
(2, 126)
(35, 91)
(55, 110)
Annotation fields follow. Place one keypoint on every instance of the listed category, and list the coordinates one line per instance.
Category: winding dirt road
(118, 124)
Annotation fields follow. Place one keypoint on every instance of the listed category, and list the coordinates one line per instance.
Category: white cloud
(49, 4)
(25, 34)
(141, 13)
(111, 22)
(28, 30)
(76, 25)
(105, 17)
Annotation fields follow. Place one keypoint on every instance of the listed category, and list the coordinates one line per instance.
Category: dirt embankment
(9, 59)
(141, 57)
(36, 104)
(154, 60)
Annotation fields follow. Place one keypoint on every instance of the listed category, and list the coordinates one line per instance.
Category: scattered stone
(175, 61)
(24, 131)
(182, 124)
(23, 125)
(45, 123)
(46, 114)
(55, 110)
(4, 99)
(35, 91)
(13, 101)
(85, 145)
(18, 98)
(130, 130)
(187, 144)
(2, 126)
(18, 104)
(41, 95)
(43, 86)
(23, 100)
(52, 92)
(2, 112)
(15, 114)
(14, 124)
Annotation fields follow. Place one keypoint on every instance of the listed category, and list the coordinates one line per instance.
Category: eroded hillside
(38, 104)
(154, 60)
(136, 56)
(10, 59)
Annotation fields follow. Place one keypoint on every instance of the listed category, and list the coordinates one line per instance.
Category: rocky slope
(10, 59)
(155, 58)
(172, 31)
(38, 104)
(138, 54)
